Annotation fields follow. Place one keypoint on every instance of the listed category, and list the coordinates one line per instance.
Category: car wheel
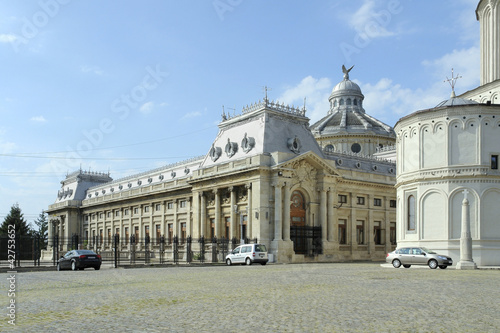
(228, 262)
(263, 263)
(97, 268)
(433, 264)
(406, 266)
(58, 267)
(443, 266)
(73, 265)
(248, 261)
(396, 263)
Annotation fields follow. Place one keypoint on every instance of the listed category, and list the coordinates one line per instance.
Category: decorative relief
(103, 191)
(129, 185)
(294, 144)
(304, 171)
(247, 143)
(150, 180)
(139, 182)
(186, 170)
(243, 194)
(120, 187)
(231, 148)
(173, 174)
(160, 177)
(215, 153)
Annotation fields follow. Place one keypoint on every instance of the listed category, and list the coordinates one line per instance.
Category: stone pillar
(203, 217)
(466, 261)
(323, 214)
(249, 210)
(234, 210)
(286, 213)
(217, 213)
(278, 211)
(332, 216)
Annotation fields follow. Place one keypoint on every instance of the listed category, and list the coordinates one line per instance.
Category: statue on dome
(346, 72)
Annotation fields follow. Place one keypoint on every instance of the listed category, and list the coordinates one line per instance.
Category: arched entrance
(306, 239)
(298, 222)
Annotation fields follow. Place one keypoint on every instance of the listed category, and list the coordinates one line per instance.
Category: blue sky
(129, 86)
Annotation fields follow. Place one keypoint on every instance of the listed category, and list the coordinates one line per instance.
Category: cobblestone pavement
(354, 297)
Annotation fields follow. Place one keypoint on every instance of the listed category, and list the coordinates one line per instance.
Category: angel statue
(346, 72)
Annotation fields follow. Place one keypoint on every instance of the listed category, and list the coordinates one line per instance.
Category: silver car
(408, 256)
(248, 254)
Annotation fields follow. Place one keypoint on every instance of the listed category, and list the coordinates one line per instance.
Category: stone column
(203, 217)
(466, 261)
(249, 210)
(286, 213)
(217, 213)
(332, 215)
(323, 214)
(278, 212)
(234, 210)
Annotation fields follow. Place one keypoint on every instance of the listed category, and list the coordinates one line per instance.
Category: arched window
(341, 102)
(348, 101)
(355, 101)
(334, 103)
(411, 212)
(329, 148)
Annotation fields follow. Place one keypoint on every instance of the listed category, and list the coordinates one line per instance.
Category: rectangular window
(377, 202)
(127, 236)
(393, 233)
(109, 214)
(101, 216)
(136, 210)
(146, 209)
(86, 218)
(378, 234)
(126, 212)
(101, 236)
(158, 207)
(360, 232)
(228, 227)
(183, 232)
(182, 204)
(136, 229)
(170, 205)
(170, 232)
(342, 232)
(361, 200)
(117, 213)
(392, 203)
(146, 232)
(342, 198)
(494, 162)
(158, 234)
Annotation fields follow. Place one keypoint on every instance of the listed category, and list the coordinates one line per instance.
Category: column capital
(278, 183)
(248, 186)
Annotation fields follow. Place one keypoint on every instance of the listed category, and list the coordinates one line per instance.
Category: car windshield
(426, 250)
(260, 248)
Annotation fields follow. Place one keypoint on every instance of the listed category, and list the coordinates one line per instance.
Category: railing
(116, 251)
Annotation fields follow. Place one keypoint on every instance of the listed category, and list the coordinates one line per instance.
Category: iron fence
(117, 251)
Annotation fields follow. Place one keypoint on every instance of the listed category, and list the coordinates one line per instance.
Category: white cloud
(367, 20)
(147, 107)
(7, 38)
(38, 119)
(316, 92)
(193, 114)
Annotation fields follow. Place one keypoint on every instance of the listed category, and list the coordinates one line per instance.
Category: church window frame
(341, 102)
(360, 232)
(377, 202)
(361, 200)
(348, 102)
(410, 216)
(342, 229)
(342, 198)
(494, 162)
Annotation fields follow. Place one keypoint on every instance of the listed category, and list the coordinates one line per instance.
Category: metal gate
(306, 240)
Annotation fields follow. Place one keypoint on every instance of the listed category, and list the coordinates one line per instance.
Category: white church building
(450, 150)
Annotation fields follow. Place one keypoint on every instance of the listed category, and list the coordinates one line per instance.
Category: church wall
(490, 212)
(432, 213)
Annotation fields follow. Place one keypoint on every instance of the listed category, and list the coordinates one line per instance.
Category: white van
(248, 254)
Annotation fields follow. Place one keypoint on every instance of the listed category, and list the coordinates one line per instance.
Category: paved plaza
(347, 297)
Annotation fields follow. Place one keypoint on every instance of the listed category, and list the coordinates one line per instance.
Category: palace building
(265, 176)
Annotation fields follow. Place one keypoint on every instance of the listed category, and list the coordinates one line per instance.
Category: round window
(355, 148)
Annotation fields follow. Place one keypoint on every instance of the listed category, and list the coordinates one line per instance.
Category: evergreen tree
(15, 218)
(43, 227)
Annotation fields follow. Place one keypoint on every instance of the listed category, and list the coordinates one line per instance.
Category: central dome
(346, 86)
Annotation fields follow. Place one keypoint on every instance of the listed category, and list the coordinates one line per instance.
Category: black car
(79, 259)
